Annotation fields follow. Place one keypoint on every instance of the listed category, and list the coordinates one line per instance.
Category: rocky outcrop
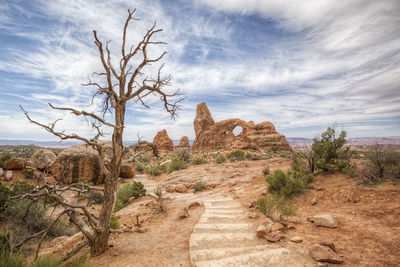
(210, 134)
(128, 170)
(43, 158)
(184, 142)
(326, 220)
(163, 142)
(323, 253)
(15, 164)
(81, 163)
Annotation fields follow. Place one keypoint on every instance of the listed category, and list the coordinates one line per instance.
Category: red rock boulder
(163, 142)
(15, 164)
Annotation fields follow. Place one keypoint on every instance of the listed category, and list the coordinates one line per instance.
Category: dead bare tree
(118, 86)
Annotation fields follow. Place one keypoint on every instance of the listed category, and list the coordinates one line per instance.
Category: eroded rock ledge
(211, 134)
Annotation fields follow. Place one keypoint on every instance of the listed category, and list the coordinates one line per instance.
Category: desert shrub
(4, 156)
(284, 155)
(34, 221)
(114, 224)
(118, 205)
(128, 190)
(176, 164)
(183, 154)
(220, 159)
(199, 186)
(199, 161)
(329, 151)
(380, 165)
(80, 262)
(12, 260)
(235, 155)
(95, 197)
(29, 173)
(274, 149)
(275, 207)
(46, 261)
(19, 188)
(5, 193)
(154, 170)
(248, 155)
(266, 170)
(288, 184)
(5, 242)
(159, 194)
(140, 167)
(145, 159)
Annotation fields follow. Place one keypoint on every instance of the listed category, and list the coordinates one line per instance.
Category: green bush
(199, 161)
(199, 186)
(380, 165)
(235, 155)
(155, 170)
(140, 167)
(274, 149)
(176, 164)
(329, 151)
(95, 197)
(34, 221)
(80, 262)
(266, 170)
(47, 261)
(12, 260)
(183, 154)
(128, 190)
(29, 173)
(220, 159)
(19, 188)
(275, 207)
(5, 193)
(114, 224)
(4, 156)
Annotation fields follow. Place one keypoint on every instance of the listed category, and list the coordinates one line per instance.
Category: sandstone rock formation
(81, 163)
(43, 158)
(163, 142)
(184, 142)
(15, 164)
(210, 134)
(128, 170)
(324, 254)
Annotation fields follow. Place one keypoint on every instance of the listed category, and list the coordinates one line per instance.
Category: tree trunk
(99, 243)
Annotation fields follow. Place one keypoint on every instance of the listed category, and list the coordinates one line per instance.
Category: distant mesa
(225, 134)
(163, 142)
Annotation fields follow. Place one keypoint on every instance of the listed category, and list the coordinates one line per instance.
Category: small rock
(274, 236)
(1, 172)
(328, 244)
(264, 192)
(262, 231)
(110, 245)
(142, 230)
(184, 214)
(314, 201)
(324, 254)
(194, 204)
(114, 253)
(322, 264)
(296, 239)
(310, 219)
(253, 204)
(276, 226)
(8, 176)
(290, 227)
(254, 215)
(326, 220)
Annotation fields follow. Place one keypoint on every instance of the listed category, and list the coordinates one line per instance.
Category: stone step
(223, 228)
(224, 240)
(271, 257)
(224, 218)
(223, 207)
(213, 254)
(224, 211)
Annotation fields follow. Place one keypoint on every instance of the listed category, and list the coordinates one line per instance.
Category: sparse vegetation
(199, 161)
(183, 154)
(235, 155)
(128, 190)
(140, 167)
(380, 165)
(266, 170)
(114, 224)
(4, 156)
(199, 186)
(288, 184)
(159, 194)
(29, 173)
(275, 207)
(220, 159)
(155, 170)
(176, 164)
(329, 152)
(95, 197)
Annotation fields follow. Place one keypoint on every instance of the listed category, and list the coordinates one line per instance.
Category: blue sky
(303, 65)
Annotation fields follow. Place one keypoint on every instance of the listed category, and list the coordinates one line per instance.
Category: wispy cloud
(301, 65)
